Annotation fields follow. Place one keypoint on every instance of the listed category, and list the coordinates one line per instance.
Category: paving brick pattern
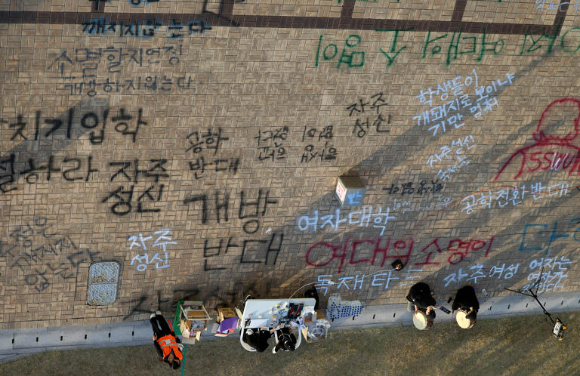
(205, 164)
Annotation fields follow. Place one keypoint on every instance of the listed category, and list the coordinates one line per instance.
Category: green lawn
(510, 346)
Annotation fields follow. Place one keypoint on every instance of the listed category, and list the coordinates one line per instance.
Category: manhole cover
(103, 280)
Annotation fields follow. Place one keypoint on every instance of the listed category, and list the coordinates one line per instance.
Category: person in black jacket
(258, 338)
(420, 296)
(467, 306)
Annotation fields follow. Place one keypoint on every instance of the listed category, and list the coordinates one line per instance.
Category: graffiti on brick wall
(44, 256)
(251, 251)
(448, 116)
(373, 119)
(382, 280)
(547, 274)
(348, 57)
(351, 55)
(378, 251)
(442, 92)
(478, 272)
(175, 29)
(428, 204)
(77, 70)
(271, 144)
(555, 148)
(89, 60)
(321, 146)
(552, 277)
(454, 154)
(209, 141)
(423, 188)
(144, 191)
(351, 52)
(152, 255)
(363, 217)
(561, 7)
(477, 46)
(216, 209)
(552, 270)
(31, 127)
(147, 83)
(137, 3)
(513, 196)
(250, 210)
(70, 169)
(537, 237)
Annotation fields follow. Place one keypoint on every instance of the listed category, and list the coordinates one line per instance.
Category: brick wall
(199, 145)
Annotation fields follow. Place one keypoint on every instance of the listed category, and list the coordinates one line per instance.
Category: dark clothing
(465, 299)
(420, 295)
(286, 340)
(258, 339)
(161, 328)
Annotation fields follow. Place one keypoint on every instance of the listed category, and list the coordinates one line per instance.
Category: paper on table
(257, 323)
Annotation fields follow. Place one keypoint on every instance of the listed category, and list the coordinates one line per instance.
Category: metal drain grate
(103, 282)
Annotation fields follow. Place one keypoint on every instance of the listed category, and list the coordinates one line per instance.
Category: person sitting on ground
(286, 340)
(467, 306)
(258, 338)
(420, 296)
(167, 344)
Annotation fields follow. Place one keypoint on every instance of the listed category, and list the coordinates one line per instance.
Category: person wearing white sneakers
(167, 344)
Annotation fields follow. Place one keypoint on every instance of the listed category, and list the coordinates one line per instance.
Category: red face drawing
(556, 146)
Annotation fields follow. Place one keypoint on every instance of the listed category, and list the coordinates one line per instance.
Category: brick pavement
(198, 144)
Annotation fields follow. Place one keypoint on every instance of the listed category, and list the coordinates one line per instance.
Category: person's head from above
(175, 364)
(466, 318)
